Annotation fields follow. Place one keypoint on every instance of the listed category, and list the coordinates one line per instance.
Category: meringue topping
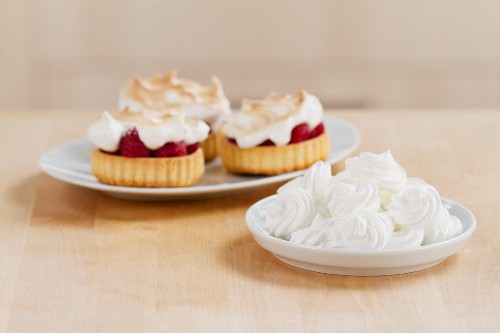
(273, 118)
(379, 168)
(153, 130)
(291, 210)
(168, 94)
(372, 205)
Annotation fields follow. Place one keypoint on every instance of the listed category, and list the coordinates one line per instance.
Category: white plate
(359, 262)
(71, 163)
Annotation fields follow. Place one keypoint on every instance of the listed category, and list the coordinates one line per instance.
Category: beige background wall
(76, 54)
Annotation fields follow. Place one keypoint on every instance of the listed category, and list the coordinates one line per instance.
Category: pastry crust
(209, 147)
(271, 160)
(148, 172)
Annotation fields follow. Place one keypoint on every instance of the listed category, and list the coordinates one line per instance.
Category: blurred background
(69, 54)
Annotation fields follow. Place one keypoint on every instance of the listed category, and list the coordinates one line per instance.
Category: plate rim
(62, 174)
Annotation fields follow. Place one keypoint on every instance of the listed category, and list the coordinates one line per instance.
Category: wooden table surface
(75, 260)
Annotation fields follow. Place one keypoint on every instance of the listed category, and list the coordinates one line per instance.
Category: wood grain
(75, 260)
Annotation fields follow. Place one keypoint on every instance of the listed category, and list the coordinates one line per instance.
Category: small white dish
(70, 163)
(360, 262)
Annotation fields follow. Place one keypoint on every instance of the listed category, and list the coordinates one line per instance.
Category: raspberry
(317, 131)
(192, 148)
(171, 149)
(267, 143)
(132, 146)
(300, 133)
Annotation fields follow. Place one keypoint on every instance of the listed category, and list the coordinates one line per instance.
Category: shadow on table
(55, 203)
(245, 257)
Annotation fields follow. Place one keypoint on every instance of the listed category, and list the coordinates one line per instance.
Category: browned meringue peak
(275, 107)
(140, 118)
(145, 118)
(152, 92)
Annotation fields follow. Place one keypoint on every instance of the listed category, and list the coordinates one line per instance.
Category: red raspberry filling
(132, 146)
(267, 143)
(171, 149)
(300, 133)
(192, 148)
(317, 131)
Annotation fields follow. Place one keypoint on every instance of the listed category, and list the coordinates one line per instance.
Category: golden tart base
(148, 171)
(271, 160)
(209, 147)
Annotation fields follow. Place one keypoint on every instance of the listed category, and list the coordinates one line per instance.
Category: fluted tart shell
(272, 160)
(209, 147)
(178, 171)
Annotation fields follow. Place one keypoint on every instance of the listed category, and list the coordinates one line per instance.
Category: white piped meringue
(318, 234)
(370, 206)
(314, 180)
(416, 206)
(292, 209)
(405, 238)
(362, 231)
(344, 199)
(378, 168)
(449, 227)
(419, 206)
